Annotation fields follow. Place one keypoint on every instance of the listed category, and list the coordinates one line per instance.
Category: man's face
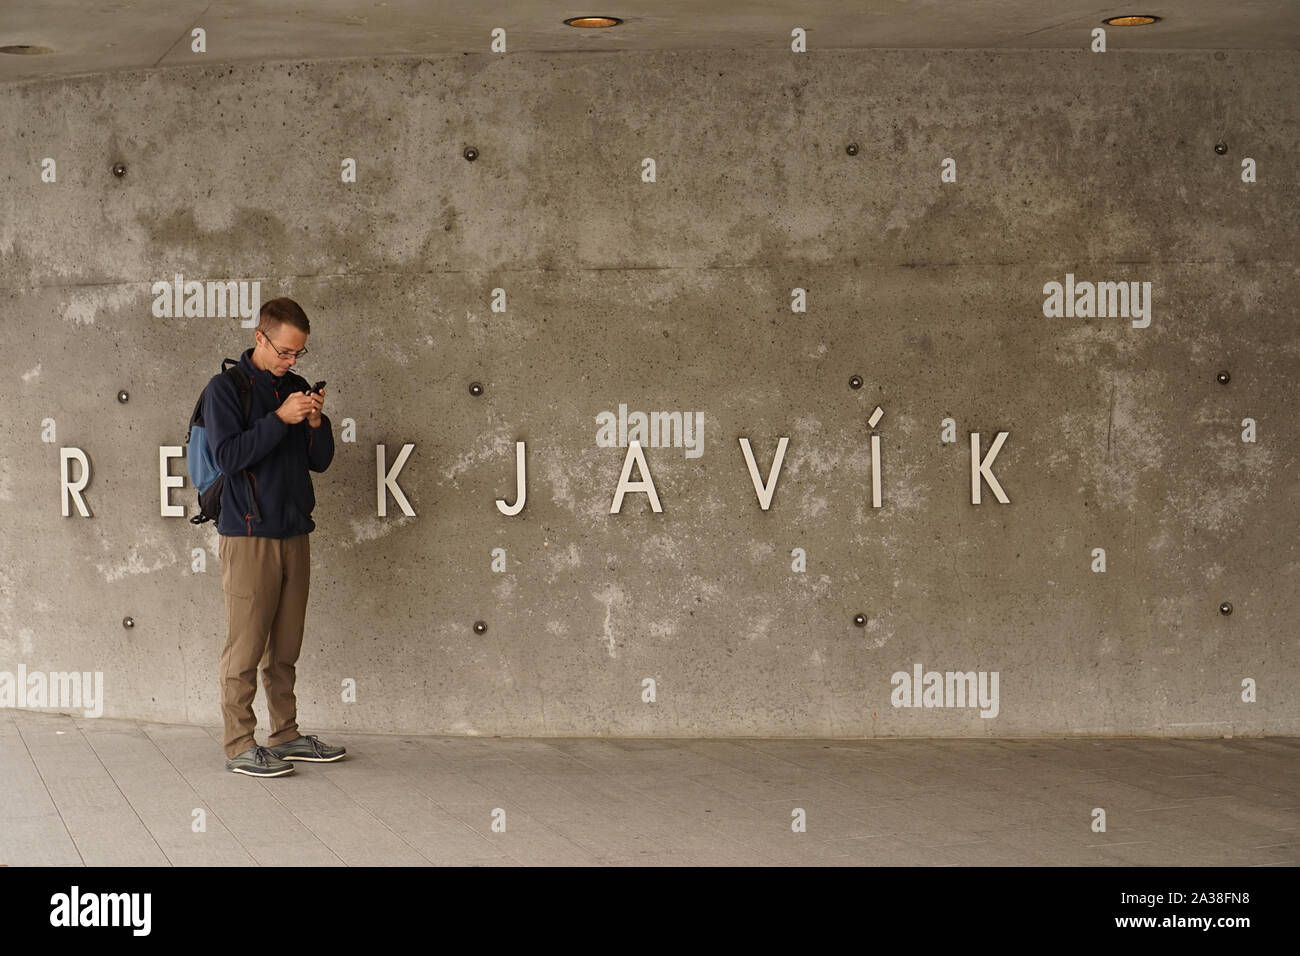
(278, 350)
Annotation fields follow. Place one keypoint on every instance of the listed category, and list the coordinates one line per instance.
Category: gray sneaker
(309, 748)
(259, 762)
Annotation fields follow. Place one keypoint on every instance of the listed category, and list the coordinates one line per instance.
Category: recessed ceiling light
(1139, 20)
(25, 49)
(593, 21)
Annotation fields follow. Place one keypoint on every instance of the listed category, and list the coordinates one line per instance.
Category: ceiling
(107, 35)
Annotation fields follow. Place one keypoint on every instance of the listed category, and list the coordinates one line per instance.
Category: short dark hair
(281, 310)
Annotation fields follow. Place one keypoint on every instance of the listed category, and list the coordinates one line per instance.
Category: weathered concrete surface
(675, 295)
(86, 37)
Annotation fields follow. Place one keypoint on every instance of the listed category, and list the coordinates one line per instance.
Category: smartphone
(318, 386)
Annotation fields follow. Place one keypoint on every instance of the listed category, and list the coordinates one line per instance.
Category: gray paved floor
(105, 793)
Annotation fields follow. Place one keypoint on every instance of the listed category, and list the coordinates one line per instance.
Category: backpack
(204, 473)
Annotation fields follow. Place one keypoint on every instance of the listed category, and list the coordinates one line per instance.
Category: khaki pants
(266, 581)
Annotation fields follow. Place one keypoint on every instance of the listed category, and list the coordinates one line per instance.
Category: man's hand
(299, 406)
(313, 417)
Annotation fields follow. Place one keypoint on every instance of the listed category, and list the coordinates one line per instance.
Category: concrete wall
(675, 295)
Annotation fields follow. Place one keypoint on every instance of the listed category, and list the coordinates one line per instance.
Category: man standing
(264, 526)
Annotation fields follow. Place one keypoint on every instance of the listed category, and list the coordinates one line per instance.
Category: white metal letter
(66, 455)
(389, 481)
(981, 468)
(167, 480)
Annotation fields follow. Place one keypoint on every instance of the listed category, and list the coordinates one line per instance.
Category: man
(264, 526)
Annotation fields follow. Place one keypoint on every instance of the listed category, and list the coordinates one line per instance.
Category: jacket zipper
(249, 517)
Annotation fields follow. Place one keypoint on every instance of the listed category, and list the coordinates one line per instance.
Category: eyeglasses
(284, 353)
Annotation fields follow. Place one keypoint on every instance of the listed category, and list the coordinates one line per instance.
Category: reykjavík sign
(632, 432)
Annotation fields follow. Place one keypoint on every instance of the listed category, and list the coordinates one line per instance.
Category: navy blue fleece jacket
(266, 465)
